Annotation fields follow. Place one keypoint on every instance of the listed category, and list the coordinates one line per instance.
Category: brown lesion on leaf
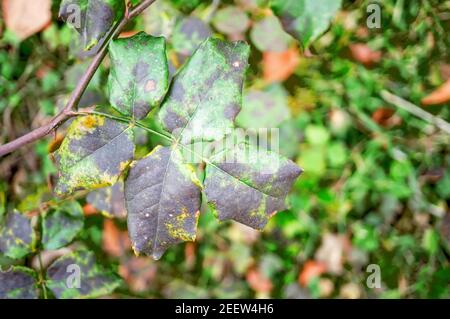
(150, 86)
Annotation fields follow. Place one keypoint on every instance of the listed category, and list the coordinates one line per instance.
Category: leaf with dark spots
(206, 94)
(93, 154)
(91, 18)
(247, 184)
(139, 75)
(306, 20)
(78, 276)
(61, 224)
(18, 282)
(109, 200)
(17, 237)
(162, 197)
(188, 34)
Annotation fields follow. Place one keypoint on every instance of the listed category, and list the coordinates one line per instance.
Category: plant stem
(67, 113)
(41, 276)
(415, 110)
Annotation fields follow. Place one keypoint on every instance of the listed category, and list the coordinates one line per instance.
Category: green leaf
(268, 35)
(93, 154)
(264, 109)
(163, 201)
(139, 75)
(109, 200)
(247, 184)
(231, 20)
(61, 224)
(205, 96)
(91, 18)
(306, 20)
(95, 281)
(17, 237)
(188, 34)
(18, 283)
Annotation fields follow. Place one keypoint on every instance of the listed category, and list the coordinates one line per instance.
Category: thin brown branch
(67, 113)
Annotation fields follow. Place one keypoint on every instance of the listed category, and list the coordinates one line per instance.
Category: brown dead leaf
(365, 55)
(311, 269)
(331, 252)
(25, 17)
(445, 228)
(89, 210)
(350, 291)
(190, 254)
(279, 66)
(127, 34)
(439, 96)
(445, 71)
(115, 241)
(138, 272)
(258, 282)
(386, 117)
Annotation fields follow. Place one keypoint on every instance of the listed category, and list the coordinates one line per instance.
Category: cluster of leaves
(376, 181)
(56, 228)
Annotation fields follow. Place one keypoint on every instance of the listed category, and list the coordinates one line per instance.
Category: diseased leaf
(163, 201)
(205, 96)
(94, 280)
(18, 283)
(248, 185)
(61, 224)
(93, 154)
(268, 35)
(17, 237)
(306, 20)
(139, 75)
(91, 18)
(188, 34)
(264, 109)
(109, 200)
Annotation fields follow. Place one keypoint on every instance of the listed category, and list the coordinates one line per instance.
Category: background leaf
(17, 237)
(264, 109)
(268, 35)
(188, 34)
(109, 200)
(61, 224)
(231, 20)
(96, 18)
(306, 20)
(25, 18)
(95, 281)
(18, 283)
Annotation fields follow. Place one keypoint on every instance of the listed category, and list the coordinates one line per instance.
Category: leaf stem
(128, 120)
(66, 113)
(41, 276)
